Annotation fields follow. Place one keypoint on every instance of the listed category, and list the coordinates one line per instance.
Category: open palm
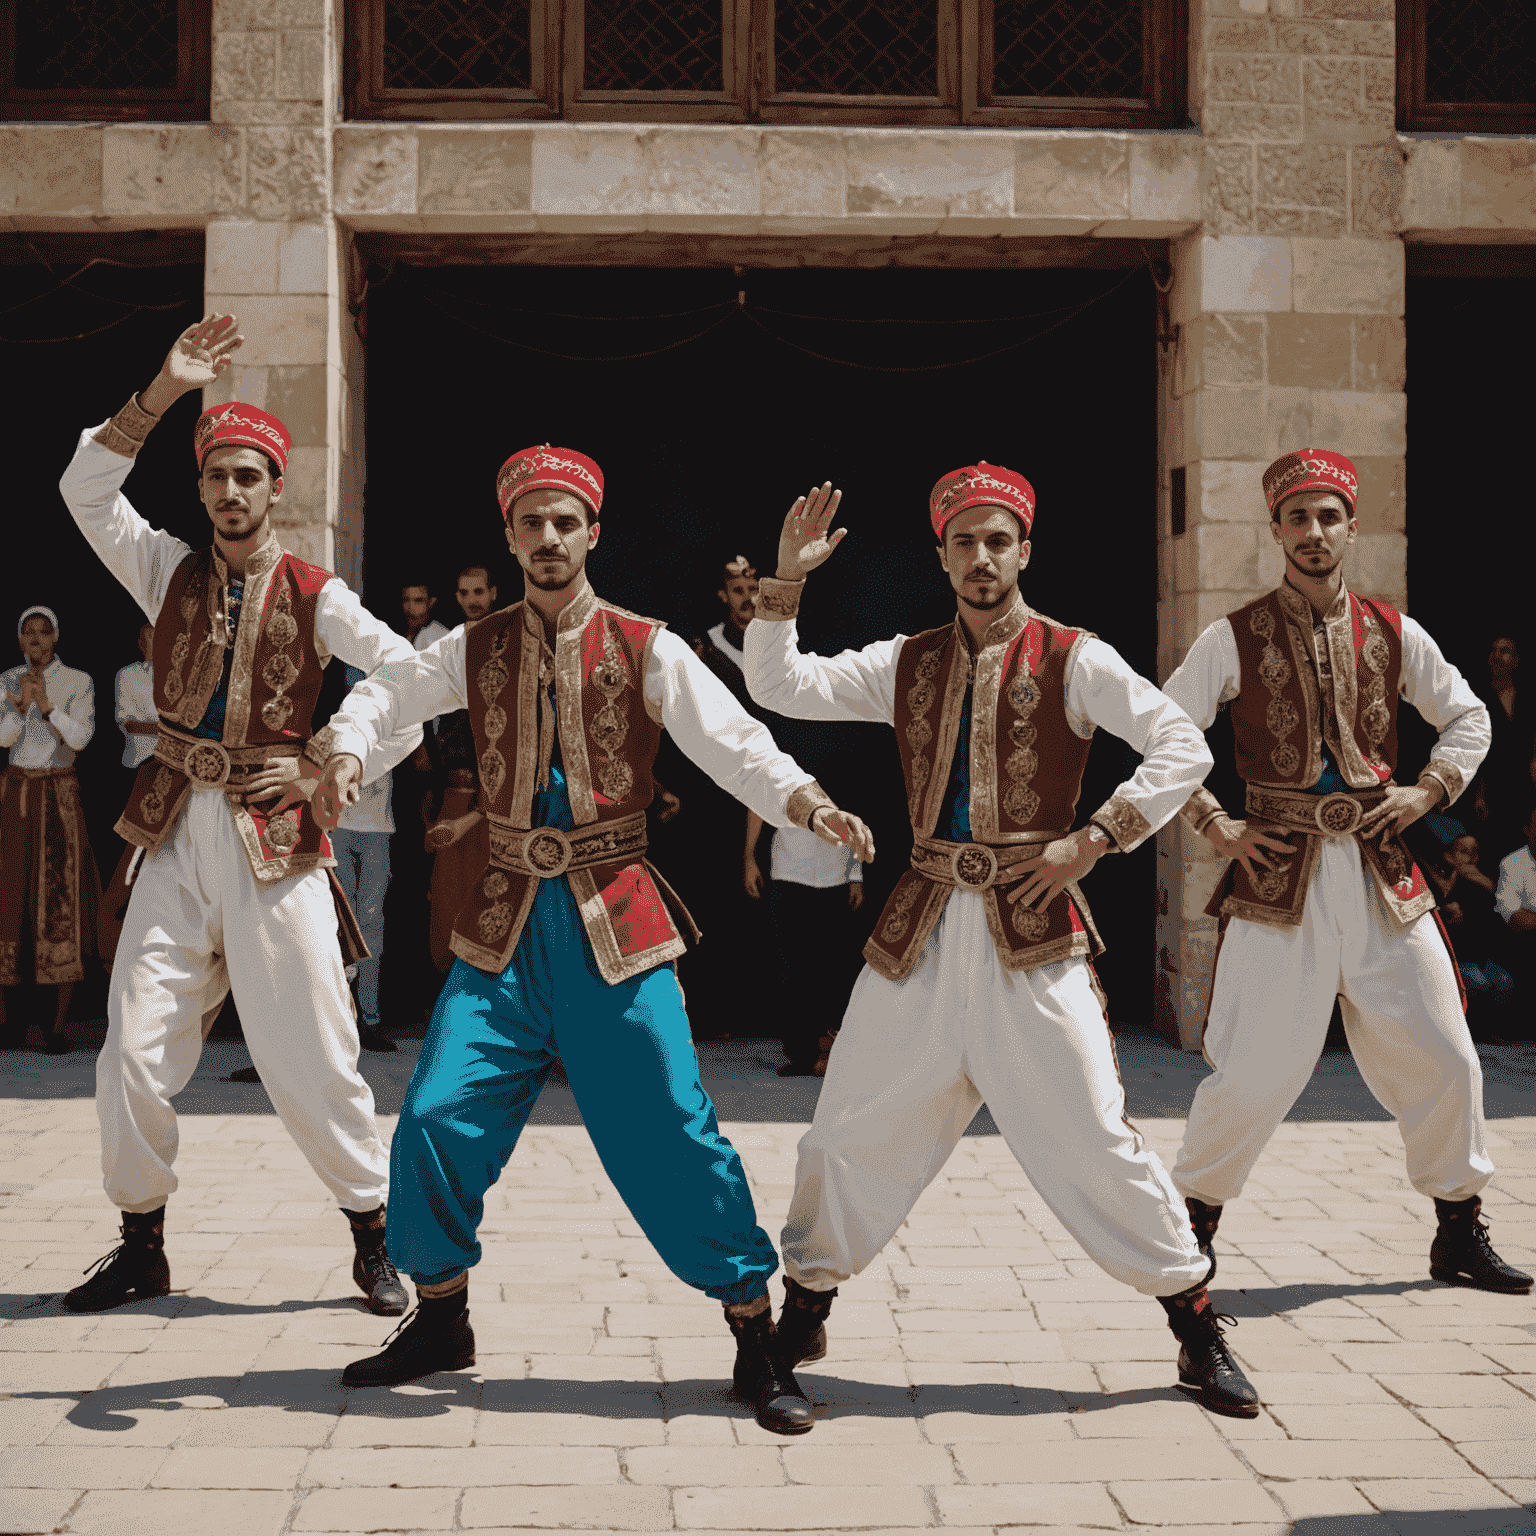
(202, 352)
(804, 542)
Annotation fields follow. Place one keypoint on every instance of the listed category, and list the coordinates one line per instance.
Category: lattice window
(456, 45)
(1067, 48)
(1480, 51)
(857, 47)
(654, 45)
(96, 45)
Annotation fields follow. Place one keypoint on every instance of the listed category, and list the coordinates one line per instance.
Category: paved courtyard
(983, 1375)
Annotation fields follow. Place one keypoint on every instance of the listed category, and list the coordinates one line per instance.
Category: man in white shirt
(235, 892)
(1321, 897)
(133, 696)
(564, 941)
(979, 986)
(1515, 902)
(50, 887)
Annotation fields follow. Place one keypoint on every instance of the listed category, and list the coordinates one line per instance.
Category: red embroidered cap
(1310, 469)
(977, 485)
(546, 468)
(238, 425)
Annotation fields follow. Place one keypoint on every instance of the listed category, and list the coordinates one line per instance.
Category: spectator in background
(361, 845)
(416, 603)
(1515, 902)
(1465, 896)
(134, 703)
(1503, 784)
(48, 884)
(457, 832)
(720, 648)
(813, 887)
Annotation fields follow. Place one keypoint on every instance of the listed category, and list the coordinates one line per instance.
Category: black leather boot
(1204, 1219)
(435, 1337)
(1462, 1255)
(764, 1378)
(376, 1277)
(802, 1326)
(134, 1271)
(1207, 1370)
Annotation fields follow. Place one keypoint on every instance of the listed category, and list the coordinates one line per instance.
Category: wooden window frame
(186, 101)
(1165, 69)
(1416, 115)
(965, 32)
(366, 97)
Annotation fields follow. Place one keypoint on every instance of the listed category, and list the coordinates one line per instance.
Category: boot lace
(106, 1259)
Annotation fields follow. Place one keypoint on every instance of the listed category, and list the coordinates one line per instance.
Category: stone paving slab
(984, 1375)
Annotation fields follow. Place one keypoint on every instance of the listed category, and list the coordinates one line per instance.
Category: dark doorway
(86, 323)
(709, 416)
(1470, 337)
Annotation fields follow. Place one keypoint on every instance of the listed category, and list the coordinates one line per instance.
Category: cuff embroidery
(1124, 823)
(1201, 809)
(778, 599)
(804, 802)
(1448, 776)
(126, 431)
(320, 746)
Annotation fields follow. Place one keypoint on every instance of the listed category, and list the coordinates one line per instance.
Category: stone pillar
(1288, 313)
(280, 264)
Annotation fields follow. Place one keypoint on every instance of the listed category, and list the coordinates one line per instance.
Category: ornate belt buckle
(207, 764)
(1338, 815)
(973, 866)
(547, 852)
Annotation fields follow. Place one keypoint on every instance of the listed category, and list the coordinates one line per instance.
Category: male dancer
(566, 937)
(978, 986)
(1322, 898)
(49, 894)
(233, 894)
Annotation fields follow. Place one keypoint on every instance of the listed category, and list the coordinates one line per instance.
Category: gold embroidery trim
(320, 746)
(1123, 822)
(921, 697)
(491, 679)
(125, 432)
(777, 599)
(610, 724)
(1281, 717)
(260, 570)
(1201, 809)
(804, 802)
(1447, 775)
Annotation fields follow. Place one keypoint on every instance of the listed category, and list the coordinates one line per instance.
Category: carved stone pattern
(899, 918)
(921, 697)
(281, 671)
(490, 680)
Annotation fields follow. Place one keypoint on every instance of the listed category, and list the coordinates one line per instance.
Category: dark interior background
(880, 381)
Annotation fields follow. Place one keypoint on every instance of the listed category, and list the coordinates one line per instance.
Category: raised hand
(803, 541)
(201, 353)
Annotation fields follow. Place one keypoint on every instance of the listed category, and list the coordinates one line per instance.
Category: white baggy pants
(1270, 1005)
(198, 924)
(914, 1062)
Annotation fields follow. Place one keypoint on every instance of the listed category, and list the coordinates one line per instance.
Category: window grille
(1065, 63)
(1466, 66)
(456, 45)
(112, 59)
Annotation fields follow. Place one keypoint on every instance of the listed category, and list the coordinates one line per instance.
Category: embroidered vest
(1026, 770)
(608, 743)
(1291, 703)
(1297, 693)
(274, 684)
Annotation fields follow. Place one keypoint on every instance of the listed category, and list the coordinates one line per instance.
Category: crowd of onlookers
(409, 848)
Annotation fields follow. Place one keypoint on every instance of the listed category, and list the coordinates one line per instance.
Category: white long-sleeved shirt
(144, 559)
(680, 692)
(134, 699)
(1102, 692)
(32, 743)
(1517, 884)
(1210, 676)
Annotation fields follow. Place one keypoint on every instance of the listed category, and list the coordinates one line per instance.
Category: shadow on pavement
(1160, 1082)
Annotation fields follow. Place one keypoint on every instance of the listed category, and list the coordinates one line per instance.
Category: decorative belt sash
(547, 851)
(211, 763)
(1338, 814)
(976, 866)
